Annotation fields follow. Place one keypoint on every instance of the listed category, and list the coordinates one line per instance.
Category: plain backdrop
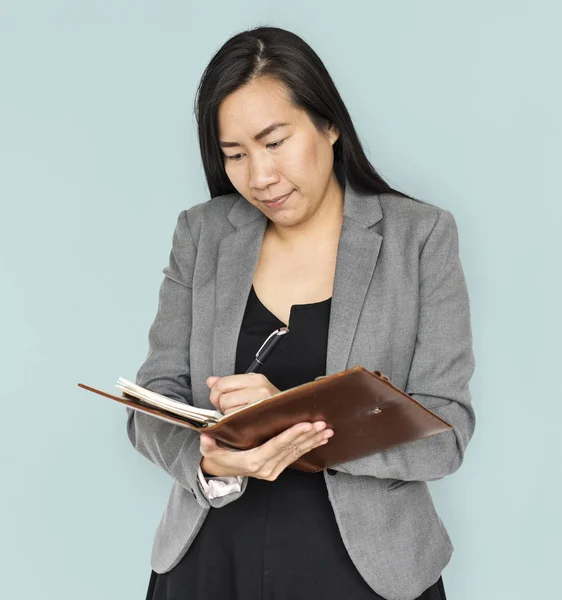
(456, 103)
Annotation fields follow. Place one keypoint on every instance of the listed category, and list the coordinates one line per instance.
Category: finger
(233, 400)
(294, 451)
(318, 439)
(307, 440)
(303, 444)
(226, 384)
(278, 444)
(316, 428)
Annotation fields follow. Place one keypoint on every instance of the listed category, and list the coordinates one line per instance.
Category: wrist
(210, 468)
(206, 468)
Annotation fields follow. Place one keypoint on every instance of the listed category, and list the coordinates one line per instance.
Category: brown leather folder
(367, 413)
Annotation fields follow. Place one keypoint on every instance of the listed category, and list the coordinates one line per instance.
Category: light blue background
(457, 103)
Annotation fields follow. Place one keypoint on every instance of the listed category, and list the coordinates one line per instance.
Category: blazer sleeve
(166, 371)
(441, 367)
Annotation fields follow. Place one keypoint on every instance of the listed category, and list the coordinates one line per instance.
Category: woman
(301, 231)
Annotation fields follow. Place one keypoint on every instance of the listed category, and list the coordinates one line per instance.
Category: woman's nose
(262, 172)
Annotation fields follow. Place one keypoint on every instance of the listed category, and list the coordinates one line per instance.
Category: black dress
(280, 539)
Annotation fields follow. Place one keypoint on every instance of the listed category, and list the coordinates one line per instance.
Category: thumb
(212, 380)
(206, 444)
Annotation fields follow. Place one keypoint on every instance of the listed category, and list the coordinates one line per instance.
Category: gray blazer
(399, 305)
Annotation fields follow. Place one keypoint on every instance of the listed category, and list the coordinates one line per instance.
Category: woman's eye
(272, 145)
(275, 144)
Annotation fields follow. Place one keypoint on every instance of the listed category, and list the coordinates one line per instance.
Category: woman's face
(271, 148)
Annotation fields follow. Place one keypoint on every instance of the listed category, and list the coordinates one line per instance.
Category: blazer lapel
(238, 255)
(358, 251)
(237, 261)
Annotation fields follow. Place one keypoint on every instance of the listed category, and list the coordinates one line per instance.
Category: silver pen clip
(281, 331)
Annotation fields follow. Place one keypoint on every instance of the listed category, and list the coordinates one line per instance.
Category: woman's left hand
(234, 391)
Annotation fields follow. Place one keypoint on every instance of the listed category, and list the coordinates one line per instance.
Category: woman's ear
(333, 134)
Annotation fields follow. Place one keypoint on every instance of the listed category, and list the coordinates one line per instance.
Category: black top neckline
(294, 307)
(301, 356)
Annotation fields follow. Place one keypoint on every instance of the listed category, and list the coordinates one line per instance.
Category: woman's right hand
(267, 461)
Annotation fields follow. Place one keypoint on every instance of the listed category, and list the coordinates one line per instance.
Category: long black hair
(277, 53)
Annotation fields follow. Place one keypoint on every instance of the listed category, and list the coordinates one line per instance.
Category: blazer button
(332, 472)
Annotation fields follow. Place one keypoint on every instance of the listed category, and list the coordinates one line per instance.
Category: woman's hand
(234, 391)
(267, 461)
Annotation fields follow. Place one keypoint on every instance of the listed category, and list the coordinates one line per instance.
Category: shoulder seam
(189, 230)
(440, 212)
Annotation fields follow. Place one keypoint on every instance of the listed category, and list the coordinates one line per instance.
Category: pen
(266, 349)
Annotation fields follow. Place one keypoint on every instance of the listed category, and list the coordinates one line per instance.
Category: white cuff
(216, 487)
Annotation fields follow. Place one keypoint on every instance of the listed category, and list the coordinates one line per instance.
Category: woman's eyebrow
(269, 129)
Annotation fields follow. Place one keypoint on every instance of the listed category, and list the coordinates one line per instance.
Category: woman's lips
(279, 202)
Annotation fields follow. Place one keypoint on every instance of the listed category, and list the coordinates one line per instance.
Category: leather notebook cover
(367, 413)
